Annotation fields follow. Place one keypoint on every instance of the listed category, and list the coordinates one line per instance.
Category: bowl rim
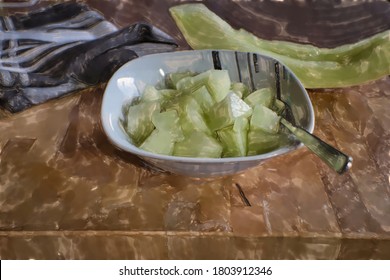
(131, 148)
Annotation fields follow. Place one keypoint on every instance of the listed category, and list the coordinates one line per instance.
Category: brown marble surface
(67, 193)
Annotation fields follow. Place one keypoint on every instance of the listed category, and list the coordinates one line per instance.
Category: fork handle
(337, 160)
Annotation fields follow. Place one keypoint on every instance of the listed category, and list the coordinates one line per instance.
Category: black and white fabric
(67, 47)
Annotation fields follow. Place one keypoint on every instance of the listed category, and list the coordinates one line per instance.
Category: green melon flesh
(264, 119)
(217, 83)
(225, 112)
(172, 78)
(234, 138)
(191, 116)
(198, 144)
(260, 142)
(139, 123)
(159, 142)
(169, 122)
(240, 89)
(264, 96)
(203, 98)
(150, 94)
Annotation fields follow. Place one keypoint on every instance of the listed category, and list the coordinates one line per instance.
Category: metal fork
(334, 158)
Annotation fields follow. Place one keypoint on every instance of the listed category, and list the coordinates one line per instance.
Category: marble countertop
(67, 193)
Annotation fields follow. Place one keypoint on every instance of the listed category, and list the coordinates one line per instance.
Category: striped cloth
(67, 47)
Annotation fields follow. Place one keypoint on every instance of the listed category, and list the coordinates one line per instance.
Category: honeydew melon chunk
(234, 138)
(203, 98)
(172, 104)
(264, 96)
(225, 112)
(172, 78)
(150, 93)
(188, 85)
(139, 123)
(217, 83)
(169, 122)
(198, 144)
(159, 142)
(191, 116)
(264, 119)
(260, 142)
(168, 93)
(240, 89)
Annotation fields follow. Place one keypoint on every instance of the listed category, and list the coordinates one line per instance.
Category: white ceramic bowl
(255, 70)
